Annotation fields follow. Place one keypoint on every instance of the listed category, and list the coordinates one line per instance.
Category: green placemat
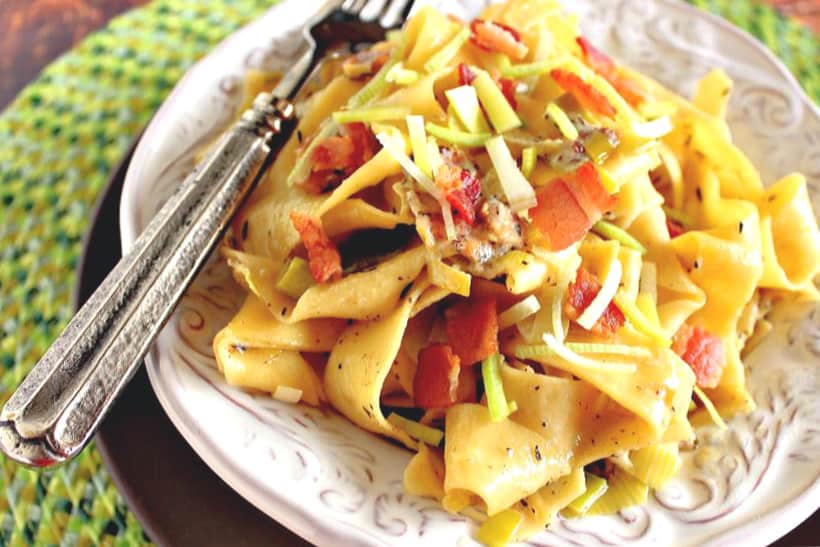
(60, 140)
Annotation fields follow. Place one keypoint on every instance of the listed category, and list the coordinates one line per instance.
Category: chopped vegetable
(435, 384)
(409, 167)
(464, 101)
(598, 146)
(703, 351)
(424, 433)
(323, 257)
(495, 103)
(603, 300)
(434, 155)
(461, 189)
(623, 491)
(466, 75)
(287, 394)
(494, 36)
(296, 278)
(582, 293)
(401, 76)
(518, 311)
(616, 233)
(585, 93)
(372, 88)
(530, 69)
(520, 194)
(528, 158)
(523, 351)
(418, 143)
(562, 122)
(449, 50)
(656, 464)
(371, 114)
(601, 63)
(494, 388)
(450, 278)
(449, 223)
(508, 88)
(570, 356)
(499, 529)
(638, 320)
(710, 408)
(590, 192)
(458, 138)
(365, 62)
(472, 329)
(596, 487)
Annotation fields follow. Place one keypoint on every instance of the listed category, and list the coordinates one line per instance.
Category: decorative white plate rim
(163, 134)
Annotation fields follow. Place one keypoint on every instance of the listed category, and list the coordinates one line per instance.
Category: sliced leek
(616, 233)
(638, 320)
(459, 138)
(287, 394)
(501, 114)
(401, 76)
(371, 114)
(599, 304)
(655, 464)
(444, 55)
(710, 409)
(464, 101)
(562, 122)
(519, 192)
(426, 434)
(596, 487)
(418, 143)
(623, 491)
(393, 148)
(499, 529)
(494, 388)
(562, 351)
(296, 278)
(529, 69)
(528, 157)
(518, 311)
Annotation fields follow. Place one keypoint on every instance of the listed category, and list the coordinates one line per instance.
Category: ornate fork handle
(60, 403)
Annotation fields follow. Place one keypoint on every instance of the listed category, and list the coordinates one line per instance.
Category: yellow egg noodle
(493, 244)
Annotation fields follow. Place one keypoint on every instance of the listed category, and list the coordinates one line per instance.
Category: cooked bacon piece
(601, 63)
(336, 157)
(364, 144)
(323, 257)
(472, 329)
(580, 295)
(366, 62)
(567, 208)
(498, 37)
(508, 88)
(465, 74)
(675, 228)
(461, 188)
(703, 351)
(589, 97)
(440, 380)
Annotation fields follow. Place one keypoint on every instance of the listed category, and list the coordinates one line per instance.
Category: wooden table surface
(34, 32)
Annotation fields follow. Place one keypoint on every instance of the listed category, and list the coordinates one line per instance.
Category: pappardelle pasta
(532, 266)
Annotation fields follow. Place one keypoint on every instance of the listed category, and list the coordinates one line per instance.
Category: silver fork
(56, 409)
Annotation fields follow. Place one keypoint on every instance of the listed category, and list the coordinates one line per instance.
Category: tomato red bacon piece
(440, 380)
(580, 295)
(339, 156)
(472, 329)
(508, 88)
(675, 229)
(465, 74)
(703, 351)
(324, 259)
(590, 192)
(494, 36)
(601, 63)
(589, 97)
(461, 188)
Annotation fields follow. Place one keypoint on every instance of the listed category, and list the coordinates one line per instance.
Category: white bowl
(335, 484)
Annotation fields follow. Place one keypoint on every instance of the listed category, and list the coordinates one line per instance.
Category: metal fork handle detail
(60, 403)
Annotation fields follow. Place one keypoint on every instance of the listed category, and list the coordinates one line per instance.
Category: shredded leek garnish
(371, 114)
(434, 155)
(623, 491)
(656, 464)
(444, 55)
(562, 351)
(499, 529)
(407, 164)
(518, 311)
(371, 89)
(494, 388)
(638, 320)
(401, 76)
(464, 102)
(459, 138)
(501, 114)
(598, 306)
(529, 69)
(710, 408)
(296, 278)
(518, 190)
(426, 434)
(598, 147)
(447, 277)
(557, 309)
(679, 216)
(418, 143)
(616, 233)
(523, 351)
(596, 487)
(287, 394)
(562, 122)
(447, 217)
(528, 158)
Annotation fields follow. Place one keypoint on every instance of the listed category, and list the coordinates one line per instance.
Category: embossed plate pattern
(331, 482)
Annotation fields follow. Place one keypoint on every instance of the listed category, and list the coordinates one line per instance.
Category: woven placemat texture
(60, 140)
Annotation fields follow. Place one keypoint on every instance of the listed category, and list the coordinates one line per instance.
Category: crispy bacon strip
(323, 257)
(703, 351)
(580, 295)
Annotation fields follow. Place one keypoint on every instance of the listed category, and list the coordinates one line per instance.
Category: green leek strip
(501, 114)
(499, 529)
(371, 89)
(557, 115)
(529, 69)
(395, 150)
(601, 301)
(459, 138)
(616, 233)
(596, 487)
(598, 147)
(464, 102)
(444, 55)
(519, 192)
(371, 114)
(634, 315)
(494, 388)
(424, 433)
(518, 311)
(607, 181)
(401, 76)
(523, 351)
(623, 491)
(418, 142)
(656, 464)
(563, 352)
(679, 216)
(710, 408)
(528, 157)
(296, 278)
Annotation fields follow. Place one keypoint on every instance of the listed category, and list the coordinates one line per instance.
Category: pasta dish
(535, 268)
